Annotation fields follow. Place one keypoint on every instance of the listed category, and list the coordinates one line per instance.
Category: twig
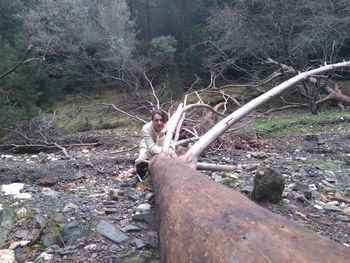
(127, 150)
(29, 50)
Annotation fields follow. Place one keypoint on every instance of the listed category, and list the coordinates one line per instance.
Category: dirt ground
(316, 166)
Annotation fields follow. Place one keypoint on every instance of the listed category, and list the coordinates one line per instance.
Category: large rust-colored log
(202, 221)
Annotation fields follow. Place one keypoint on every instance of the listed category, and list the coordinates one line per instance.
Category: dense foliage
(91, 45)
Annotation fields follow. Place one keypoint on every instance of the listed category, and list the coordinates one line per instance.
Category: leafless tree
(298, 33)
(97, 35)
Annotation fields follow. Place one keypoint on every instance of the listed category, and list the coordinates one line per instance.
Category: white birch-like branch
(204, 142)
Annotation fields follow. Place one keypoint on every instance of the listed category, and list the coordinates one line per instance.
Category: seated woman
(152, 142)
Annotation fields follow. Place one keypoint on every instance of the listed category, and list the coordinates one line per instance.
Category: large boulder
(268, 185)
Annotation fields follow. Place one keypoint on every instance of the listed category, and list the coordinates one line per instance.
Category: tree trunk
(203, 221)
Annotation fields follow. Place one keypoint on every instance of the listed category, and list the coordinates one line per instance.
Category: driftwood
(202, 221)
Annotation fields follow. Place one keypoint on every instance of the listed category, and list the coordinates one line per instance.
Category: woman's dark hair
(161, 113)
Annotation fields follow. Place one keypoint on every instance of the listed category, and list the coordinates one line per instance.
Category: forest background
(50, 49)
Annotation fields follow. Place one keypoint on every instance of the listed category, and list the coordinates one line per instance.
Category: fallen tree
(201, 221)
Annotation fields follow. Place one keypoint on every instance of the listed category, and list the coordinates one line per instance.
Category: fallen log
(202, 221)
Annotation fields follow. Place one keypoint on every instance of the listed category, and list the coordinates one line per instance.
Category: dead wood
(18, 64)
(202, 221)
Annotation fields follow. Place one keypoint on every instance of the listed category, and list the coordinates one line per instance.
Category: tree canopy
(92, 45)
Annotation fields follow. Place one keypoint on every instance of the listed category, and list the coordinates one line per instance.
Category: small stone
(12, 189)
(285, 201)
(300, 186)
(138, 243)
(302, 171)
(74, 231)
(23, 196)
(333, 203)
(145, 217)
(110, 211)
(113, 194)
(332, 208)
(39, 221)
(48, 191)
(217, 178)
(67, 251)
(308, 194)
(311, 137)
(45, 256)
(85, 151)
(315, 215)
(129, 228)
(7, 256)
(321, 142)
(247, 189)
(134, 197)
(79, 175)
(343, 218)
(21, 212)
(70, 207)
(143, 207)
(292, 208)
(324, 182)
(109, 231)
(91, 247)
(328, 173)
(312, 187)
(148, 196)
(318, 207)
(47, 181)
(301, 215)
(16, 244)
(21, 234)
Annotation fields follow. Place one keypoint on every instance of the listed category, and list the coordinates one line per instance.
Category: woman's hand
(163, 132)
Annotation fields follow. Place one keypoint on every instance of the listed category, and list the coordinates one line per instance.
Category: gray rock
(67, 251)
(7, 256)
(109, 231)
(300, 186)
(149, 218)
(129, 228)
(268, 185)
(328, 173)
(74, 231)
(321, 142)
(300, 197)
(39, 221)
(324, 182)
(302, 171)
(143, 207)
(21, 234)
(247, 189)
(343, 218)
(79, 175)
(6, 221)
(292, 208)
(138, 243)
(332, 208)
(217, 178)
(311, 137)
(109, 211)
(134, 197)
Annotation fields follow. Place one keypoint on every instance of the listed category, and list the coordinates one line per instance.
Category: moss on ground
(303, 123)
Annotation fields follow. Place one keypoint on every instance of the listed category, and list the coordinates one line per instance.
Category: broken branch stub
(202, 221)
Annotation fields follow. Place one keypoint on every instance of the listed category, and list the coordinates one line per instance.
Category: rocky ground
(82, 209)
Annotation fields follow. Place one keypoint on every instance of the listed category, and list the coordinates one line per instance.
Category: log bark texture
(202, 221)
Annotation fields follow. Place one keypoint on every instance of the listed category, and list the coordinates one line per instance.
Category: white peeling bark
(204, 142)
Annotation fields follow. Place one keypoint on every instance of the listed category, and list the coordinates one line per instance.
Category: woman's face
(158, 122)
